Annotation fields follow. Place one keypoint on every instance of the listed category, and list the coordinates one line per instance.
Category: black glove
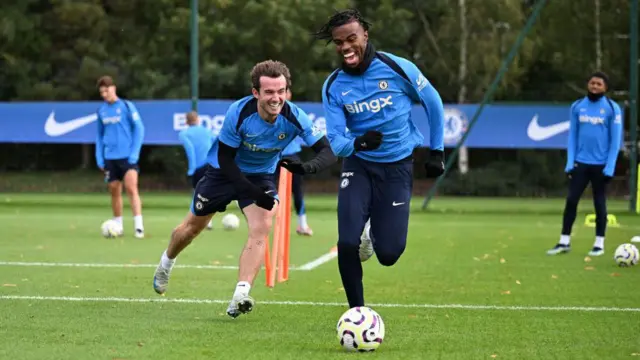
(294, 166)
(371, 140)
(435, 165)
(263, 199)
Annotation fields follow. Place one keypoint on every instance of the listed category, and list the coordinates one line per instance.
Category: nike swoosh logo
(345, 92)
(540, 133)
(397, 204)
(54, 128)
(269, 191)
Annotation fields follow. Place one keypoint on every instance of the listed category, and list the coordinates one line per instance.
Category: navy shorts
(215, 191)
(198, 174)
(380, 192)
(116, 168)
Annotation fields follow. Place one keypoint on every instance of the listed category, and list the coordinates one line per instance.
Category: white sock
(302, 221)
(565, 239)
(166, 262)
(599, 242)
(118, 219)
(242, 288)
(137, 222)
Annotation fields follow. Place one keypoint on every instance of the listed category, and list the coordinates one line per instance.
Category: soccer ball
(626, 255)
(111, 229)
(360, 329)
(230, 222)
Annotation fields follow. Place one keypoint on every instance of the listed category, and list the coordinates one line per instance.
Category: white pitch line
(332, 254)
(324, 304)
(104, 265)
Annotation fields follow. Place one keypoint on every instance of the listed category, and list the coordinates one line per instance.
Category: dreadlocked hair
(338, 19)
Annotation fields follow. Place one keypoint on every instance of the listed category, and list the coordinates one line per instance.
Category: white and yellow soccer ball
(110, 229)
(626, 255)
(360, 329)
(230, 222)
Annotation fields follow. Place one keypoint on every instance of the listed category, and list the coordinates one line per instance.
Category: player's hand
(294, 166)
(435, 165)
(371, 140)
(265, 201)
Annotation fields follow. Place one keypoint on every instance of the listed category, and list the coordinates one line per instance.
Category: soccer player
(291, 153)
(595, 135)
(243, 160)
(371, 95)
(118, 144)
(196, 141)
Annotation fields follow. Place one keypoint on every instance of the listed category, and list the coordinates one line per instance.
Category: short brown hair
(192, 117)
(105, 81)
(269, 68)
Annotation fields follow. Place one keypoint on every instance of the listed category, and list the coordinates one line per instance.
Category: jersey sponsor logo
(256, 148)
(595, 120)
(373, 106)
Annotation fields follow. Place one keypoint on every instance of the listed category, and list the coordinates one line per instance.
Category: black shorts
(198, 174)
(116, 168)
(215, 191)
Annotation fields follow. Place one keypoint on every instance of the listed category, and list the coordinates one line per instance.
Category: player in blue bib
(242, 163)
(118, 143)
(371, 96)
(196, 141)
(595, 135)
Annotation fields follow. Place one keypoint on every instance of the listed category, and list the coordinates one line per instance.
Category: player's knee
(115, 188)
(345, 246)
(388, 258)
(131, 189)
(260, 228)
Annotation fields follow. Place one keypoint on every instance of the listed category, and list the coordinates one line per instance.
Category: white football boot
(366, 244)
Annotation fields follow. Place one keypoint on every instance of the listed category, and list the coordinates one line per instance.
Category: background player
(196, 141)
(297, 183)
(595, 135)
(118, 144)
(243, 160)
(372, 95)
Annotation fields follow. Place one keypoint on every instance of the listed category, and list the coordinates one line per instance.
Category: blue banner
(499, 126)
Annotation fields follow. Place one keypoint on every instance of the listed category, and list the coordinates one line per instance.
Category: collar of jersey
(369, 54)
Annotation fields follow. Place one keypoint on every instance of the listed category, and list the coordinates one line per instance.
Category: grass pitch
(474, 283)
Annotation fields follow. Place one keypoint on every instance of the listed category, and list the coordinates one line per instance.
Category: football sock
(351, 274)
(302, 221)
(137, 221)
(599, 242)
(166, 262)
(242, 289)
(565, 239)
(118, 219)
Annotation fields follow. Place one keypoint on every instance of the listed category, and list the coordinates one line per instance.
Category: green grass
(462, 251)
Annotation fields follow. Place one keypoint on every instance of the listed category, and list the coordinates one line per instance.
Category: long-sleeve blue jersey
(120, 132)
(196, 141)
(260, 143)
(595, 134)
(381, 99)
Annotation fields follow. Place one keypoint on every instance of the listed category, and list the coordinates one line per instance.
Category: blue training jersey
(260, 143)
(294, 147)
(196, 141)
(595, 133)
(120, 132)
(381, 99)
